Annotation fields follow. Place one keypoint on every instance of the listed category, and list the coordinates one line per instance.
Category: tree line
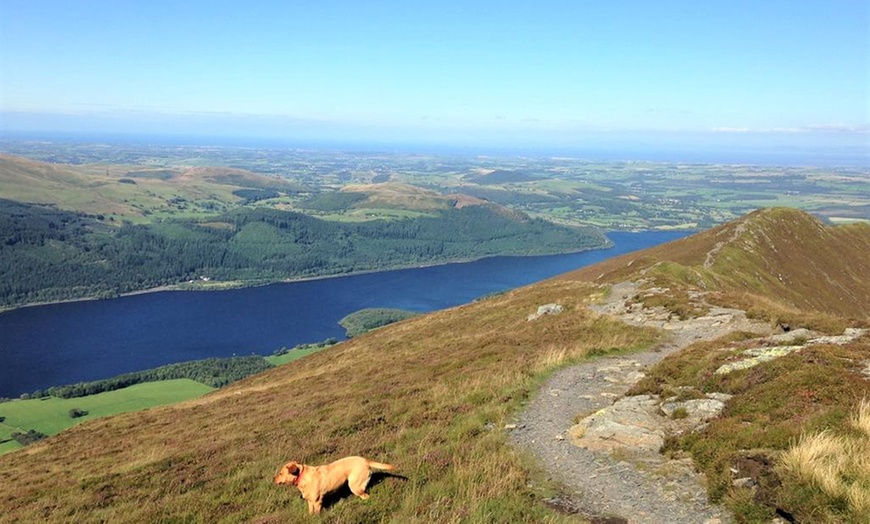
(365, 320)
(214, 372)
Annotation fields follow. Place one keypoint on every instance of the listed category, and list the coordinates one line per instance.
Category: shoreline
(237, 284)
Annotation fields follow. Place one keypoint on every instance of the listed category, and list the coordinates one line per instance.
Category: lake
(71, 342)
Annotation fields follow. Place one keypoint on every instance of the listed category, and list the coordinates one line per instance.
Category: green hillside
(86, 231)
(134, 193)
(48, 254)
(51, 415)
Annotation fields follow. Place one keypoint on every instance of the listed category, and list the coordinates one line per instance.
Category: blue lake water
(71, 342)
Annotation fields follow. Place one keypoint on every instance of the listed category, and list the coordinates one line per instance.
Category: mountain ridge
(774, 252)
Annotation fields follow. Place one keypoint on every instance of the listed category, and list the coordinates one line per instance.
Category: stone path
(622, 484)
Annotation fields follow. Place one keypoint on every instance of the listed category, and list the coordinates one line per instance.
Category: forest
(365, 320)
(48, 254)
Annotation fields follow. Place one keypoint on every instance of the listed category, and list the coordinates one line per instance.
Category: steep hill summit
(779, 254)
(438, 395)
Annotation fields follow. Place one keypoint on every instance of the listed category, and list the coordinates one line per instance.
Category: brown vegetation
(785, 267)
(782, 256)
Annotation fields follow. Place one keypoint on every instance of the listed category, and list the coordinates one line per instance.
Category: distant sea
(691, 150)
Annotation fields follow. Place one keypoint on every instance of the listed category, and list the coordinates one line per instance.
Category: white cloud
(839, 128)
(813, 128)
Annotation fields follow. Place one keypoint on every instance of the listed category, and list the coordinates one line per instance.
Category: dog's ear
(293, 468)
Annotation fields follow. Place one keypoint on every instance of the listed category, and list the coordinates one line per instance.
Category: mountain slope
(67, 231)
(425, 394)
(429, 394)
(778, 254)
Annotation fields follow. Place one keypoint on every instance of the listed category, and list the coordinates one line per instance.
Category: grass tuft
(836, 467)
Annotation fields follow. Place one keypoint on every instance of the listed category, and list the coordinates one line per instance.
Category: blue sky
(791, 72)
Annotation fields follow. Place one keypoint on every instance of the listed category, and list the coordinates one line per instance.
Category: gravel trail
(613, 488)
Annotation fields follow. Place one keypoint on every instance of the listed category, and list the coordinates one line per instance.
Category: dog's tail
(381, 466)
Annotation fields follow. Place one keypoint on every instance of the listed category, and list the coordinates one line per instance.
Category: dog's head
(288, 473)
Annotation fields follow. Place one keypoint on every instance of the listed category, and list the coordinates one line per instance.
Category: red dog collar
(299, 476)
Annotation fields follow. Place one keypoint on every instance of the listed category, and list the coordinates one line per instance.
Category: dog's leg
(358, 483)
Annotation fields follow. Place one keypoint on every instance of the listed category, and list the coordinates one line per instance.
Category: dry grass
(777, 313)
(861, 418)
(838, 465)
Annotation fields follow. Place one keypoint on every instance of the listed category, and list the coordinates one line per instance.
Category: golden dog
(316, 481)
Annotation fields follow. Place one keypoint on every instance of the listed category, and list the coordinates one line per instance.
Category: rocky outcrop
(757, 355)
(546, 309)
(640, 423)
(631, 423)
(693, 414)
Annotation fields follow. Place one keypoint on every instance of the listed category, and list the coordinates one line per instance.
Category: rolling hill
(396, 199)
(130, 192)
(431, 394)
(87, 231)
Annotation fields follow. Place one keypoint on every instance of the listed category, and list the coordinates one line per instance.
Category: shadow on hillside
(344, 492)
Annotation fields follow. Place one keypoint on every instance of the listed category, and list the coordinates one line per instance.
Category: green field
(51, 415)
(290, 356)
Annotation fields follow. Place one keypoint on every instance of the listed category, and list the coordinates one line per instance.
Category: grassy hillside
(431, 395)
(394, 200)
(46, 254)
(130, 192)
(779, 257)
(786, 267)
(393, 195)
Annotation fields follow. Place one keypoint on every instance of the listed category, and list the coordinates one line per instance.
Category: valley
(445, 395)
(438, 394)
(434, 262)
